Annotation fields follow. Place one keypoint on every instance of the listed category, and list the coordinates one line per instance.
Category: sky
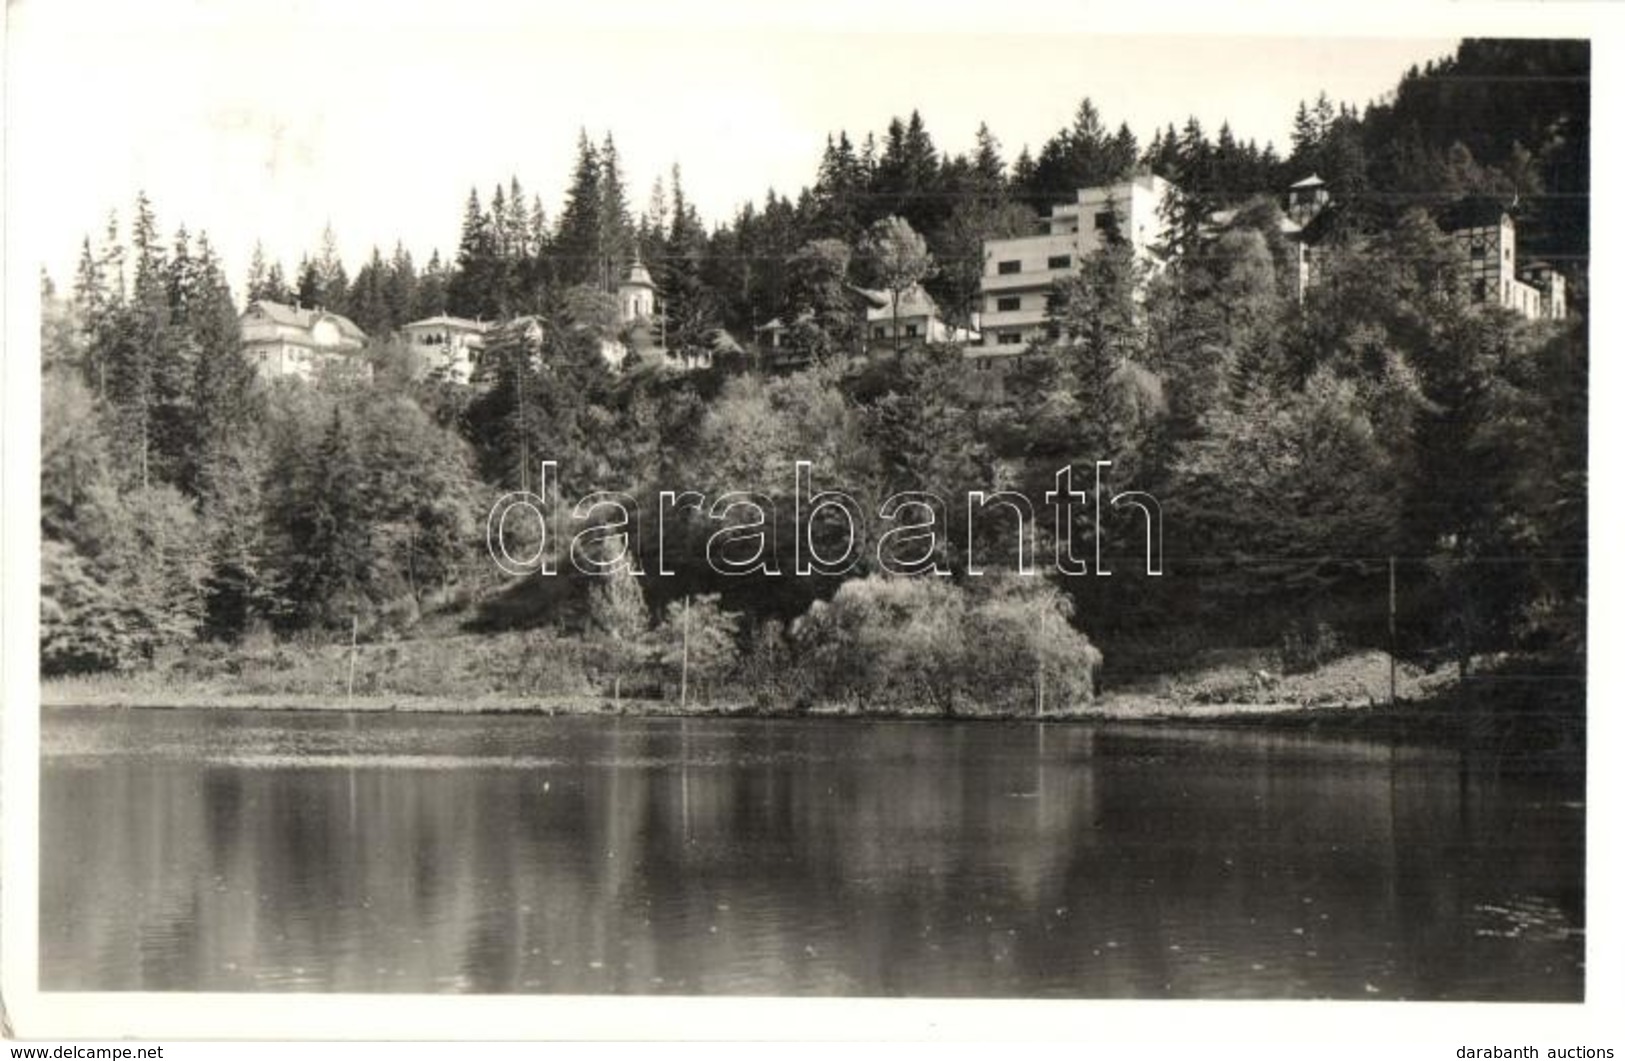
(268, 122)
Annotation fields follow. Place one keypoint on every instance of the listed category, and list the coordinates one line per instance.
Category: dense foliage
(1295, 447)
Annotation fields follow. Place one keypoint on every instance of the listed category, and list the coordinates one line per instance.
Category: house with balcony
(1018, 274)
(282, 341)
(450, 346)
(917, 321)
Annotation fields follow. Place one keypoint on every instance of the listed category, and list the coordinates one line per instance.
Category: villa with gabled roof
(281, 340)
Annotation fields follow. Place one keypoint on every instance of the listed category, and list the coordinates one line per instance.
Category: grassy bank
(544, 674)
(534, 673)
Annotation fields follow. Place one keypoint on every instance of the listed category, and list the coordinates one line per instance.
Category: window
(1009, 338)
(880, 333)
(1478, 289)
(1060, 261)
(912, 331)
(1105, 219)
(1478, 249)
(1006, 268)
(1007, 304)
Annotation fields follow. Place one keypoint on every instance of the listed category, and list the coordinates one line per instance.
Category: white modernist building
(1017, 274)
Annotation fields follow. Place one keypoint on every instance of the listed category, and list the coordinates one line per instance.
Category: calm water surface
(227, 851)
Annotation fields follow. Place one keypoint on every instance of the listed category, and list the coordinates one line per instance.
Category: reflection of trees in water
(790, 857)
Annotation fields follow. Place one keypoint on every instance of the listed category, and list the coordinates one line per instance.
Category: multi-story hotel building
(1017, 274)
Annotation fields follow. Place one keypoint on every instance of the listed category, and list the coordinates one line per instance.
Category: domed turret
(637, 293)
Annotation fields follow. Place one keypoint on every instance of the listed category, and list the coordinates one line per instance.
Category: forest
(198, 520)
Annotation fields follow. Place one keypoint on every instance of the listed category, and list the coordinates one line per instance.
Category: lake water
(238, 851)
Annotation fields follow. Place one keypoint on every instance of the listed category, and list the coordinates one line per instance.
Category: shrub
(899, 643)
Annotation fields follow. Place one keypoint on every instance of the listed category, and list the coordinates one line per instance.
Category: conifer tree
(577, 249)
(276, 285)
(400, 288)
(689, 306)
(615, 225)
(471, 288)
(329, 562)
(221, 387)
(308, 292)
(138, 347)
(258, 274)
(430, 298)
(333, 280)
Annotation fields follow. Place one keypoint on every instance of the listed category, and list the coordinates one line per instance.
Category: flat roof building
(1017, 274)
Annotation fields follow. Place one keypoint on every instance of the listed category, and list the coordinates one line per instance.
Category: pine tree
(330, 558)
(333, 281)
(689, 307)
(258, 274)
(369, 299)
(615, 236)
(987, 168)
(276, 285)
(577, 247)
(221, 386)
(471, 289)
(138, 347)
(838, 192)
(400, 288)
(1187, 208)
(1305, 140)
(309, 290)
(99, 296)
(430, 298)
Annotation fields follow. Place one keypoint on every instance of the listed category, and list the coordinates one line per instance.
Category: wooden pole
(683, 687)
(349, 691)
(524, 446)
(1393, 635)
(1042, 620)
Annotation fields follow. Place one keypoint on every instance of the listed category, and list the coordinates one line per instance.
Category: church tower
(637, 294)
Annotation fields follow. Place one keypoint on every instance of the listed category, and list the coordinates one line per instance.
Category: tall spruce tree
(577, 247)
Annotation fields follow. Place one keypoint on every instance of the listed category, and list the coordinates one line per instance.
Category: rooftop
(279, 313)
(446, 321)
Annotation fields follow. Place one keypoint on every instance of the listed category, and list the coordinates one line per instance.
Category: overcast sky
(267, 121)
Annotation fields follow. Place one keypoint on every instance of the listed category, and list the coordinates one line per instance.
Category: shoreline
(1113, 707)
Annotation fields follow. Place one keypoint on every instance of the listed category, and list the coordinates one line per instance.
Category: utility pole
(683, 687)
(349, 691)
(524, 443)
(1039, 655)
(1393, 635)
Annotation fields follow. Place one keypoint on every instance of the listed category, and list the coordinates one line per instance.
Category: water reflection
(224, 851)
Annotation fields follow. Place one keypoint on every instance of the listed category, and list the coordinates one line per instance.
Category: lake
(324, 851)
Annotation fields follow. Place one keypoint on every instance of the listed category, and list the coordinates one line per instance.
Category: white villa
(450, 345)
(281, 340)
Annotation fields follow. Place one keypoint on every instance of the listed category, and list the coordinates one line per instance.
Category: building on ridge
(281, 340)
(1489, 237)
(450, 346)
(1018, 274)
